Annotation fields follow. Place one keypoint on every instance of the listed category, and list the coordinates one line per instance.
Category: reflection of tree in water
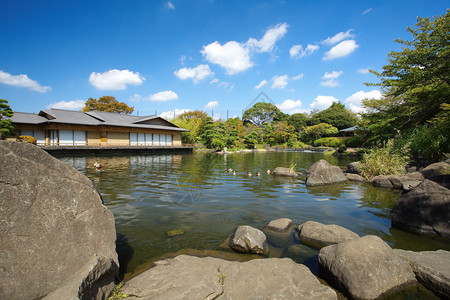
(333, 191)
(380, 201)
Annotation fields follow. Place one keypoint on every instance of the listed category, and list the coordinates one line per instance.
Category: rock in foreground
(54, 231)
(424, 209)
(432, 269)
(189, 277)
(322, 172)
(319, 235)
(246, 239)
(365, 268)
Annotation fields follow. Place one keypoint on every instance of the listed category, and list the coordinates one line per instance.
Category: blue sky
(213, 55)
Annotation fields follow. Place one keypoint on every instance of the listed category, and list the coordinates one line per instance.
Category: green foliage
(190, 120)
(251, 140)
(6, 126)
(415, 82)
(384, 161)
(298, 121)
(27, 138)
(336, 115)
(261, 113)
(329, 142)
(117, 294)
(212, 134)
(354, 142)
(312, 133)
(108, 104)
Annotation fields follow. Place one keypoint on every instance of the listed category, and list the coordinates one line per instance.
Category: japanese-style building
(57, 127)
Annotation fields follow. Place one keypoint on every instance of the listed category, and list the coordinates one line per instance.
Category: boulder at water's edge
(322, 172)
(57, 238)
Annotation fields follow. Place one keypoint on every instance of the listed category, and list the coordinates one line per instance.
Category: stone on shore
(353, 168)
(438, 172)
(322, 172)
(280, 225)
(432, 269)
(355, 177)
(365, 268)
(246, 239)
(396, 181)
(424, 209)
(57, 239)
(281, 171)
(319, 235)
(189, 277)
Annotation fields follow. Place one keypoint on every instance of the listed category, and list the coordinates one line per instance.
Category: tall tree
(190, 120)
(109, 104)
(298, 120)
(415, 82)
(6, 125)
(261, 113)
(336, 115)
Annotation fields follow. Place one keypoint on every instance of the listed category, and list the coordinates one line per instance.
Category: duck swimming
(258, 173)
(228, 170)
(249, 174)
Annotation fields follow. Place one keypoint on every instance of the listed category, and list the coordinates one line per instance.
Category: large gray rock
(432, 269)
(281, 171)
(322, 172)
(365, 268)
(54, 231)
(354, 168)
(319, 235)
(438, 172)
(396, 181)
(189, 277)
(246, 239)
(424, 209)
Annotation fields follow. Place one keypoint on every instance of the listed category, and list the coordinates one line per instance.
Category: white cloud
(332, 75)
(367, 11)
(299, 76)
(211, 104)
(291, 107)
(170, 5)
(70, 105)
(169, 115)
(323, 102)
(163, 96)
(115, 79)
(354, 101)
(23, 81)
(340, 50)
(279, 82)
(267, 42)
(224, 84)
(261, 84)
(338, 37)
(329, 83)
(297, 51)
(232, 56)
(196, 74)
(363, 70)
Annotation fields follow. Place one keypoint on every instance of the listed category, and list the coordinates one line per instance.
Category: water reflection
(151, 195)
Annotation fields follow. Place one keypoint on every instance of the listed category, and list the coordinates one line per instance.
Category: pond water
(165, 203)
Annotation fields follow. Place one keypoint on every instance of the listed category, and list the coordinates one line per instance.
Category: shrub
(329, 142)
(430, 142)
(383, 161)
(27, 138)
(354, 142)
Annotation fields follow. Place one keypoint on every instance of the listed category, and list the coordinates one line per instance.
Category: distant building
(57, 127)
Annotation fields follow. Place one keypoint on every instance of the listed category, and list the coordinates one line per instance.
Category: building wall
(94, 135)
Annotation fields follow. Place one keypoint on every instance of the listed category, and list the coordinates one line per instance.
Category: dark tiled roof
(93, 118)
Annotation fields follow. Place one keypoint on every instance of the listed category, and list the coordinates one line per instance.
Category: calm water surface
(153, 195)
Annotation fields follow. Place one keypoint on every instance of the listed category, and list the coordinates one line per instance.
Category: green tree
(336, 115)
(235, 132)
(190, 120)
(299, 121)
(6, 125)
(415, 82)
(109, 104)
(251, 139)
(212, 134)
(261, 113)
(312, 133)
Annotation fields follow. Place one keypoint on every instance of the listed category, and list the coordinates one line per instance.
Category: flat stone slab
(432, 269)
(281, 171)
(396, 181)
(355, 177)
(365, 268)
(319, 235)
(189, 277)
(280, 225)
